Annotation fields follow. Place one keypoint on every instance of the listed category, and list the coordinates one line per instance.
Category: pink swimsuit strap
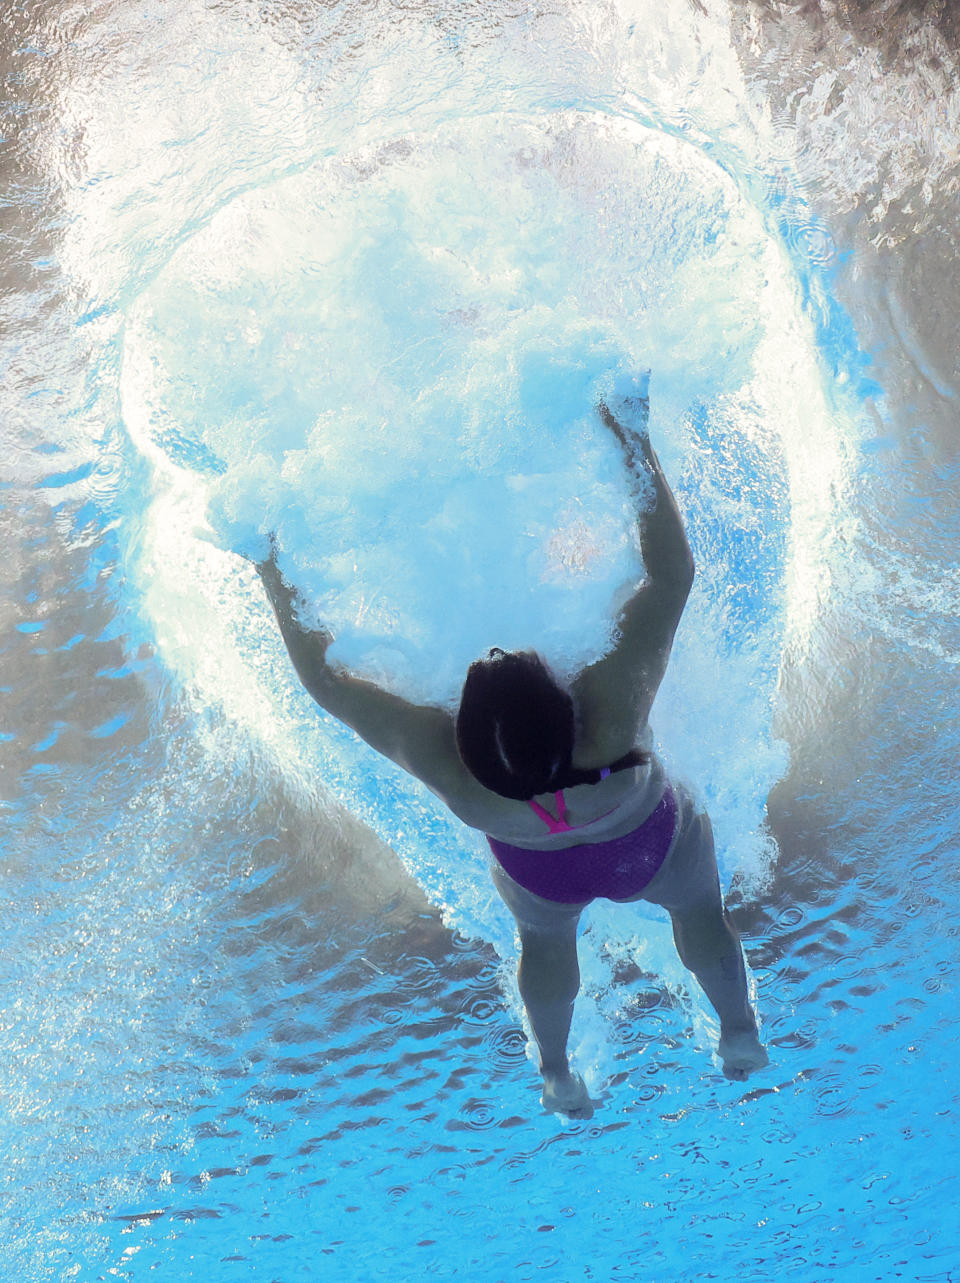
(558, 823)
(555, 824)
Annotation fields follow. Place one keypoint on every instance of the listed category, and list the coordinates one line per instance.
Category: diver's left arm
(615, 693)
(419, 738)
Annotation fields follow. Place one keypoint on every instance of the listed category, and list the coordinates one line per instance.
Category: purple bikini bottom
(618, 869)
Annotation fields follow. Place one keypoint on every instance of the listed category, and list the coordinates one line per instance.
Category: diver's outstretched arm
(614, 694)
(663, 540)
(420, 738)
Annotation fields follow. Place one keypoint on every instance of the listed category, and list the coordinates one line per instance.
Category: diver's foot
(566, 1093)
(742, 1054)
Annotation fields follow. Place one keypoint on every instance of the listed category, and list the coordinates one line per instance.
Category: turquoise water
(358, 277)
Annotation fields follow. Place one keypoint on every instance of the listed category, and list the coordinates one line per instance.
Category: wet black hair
(516, 728)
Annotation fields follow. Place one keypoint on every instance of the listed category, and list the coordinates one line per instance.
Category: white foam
(405, 393)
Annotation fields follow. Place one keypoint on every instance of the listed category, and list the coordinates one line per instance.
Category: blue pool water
(358, 275)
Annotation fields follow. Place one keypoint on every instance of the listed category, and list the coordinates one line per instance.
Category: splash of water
(384, 340)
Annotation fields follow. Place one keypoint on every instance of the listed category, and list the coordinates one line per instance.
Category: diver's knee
(556, 939)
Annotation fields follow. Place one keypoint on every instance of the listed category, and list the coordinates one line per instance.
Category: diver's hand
(283, 598)
(267, 567)
(630, 397)
(280, 593)
(628, 419)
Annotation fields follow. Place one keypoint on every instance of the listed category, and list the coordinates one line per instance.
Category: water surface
(258, 1001)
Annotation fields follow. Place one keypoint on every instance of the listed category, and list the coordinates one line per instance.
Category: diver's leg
(709, 946)
(707, 942)
(549, 978)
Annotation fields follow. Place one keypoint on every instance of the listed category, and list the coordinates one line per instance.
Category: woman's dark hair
(515, 728)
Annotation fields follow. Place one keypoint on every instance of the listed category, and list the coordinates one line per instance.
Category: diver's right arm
(420, 738)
